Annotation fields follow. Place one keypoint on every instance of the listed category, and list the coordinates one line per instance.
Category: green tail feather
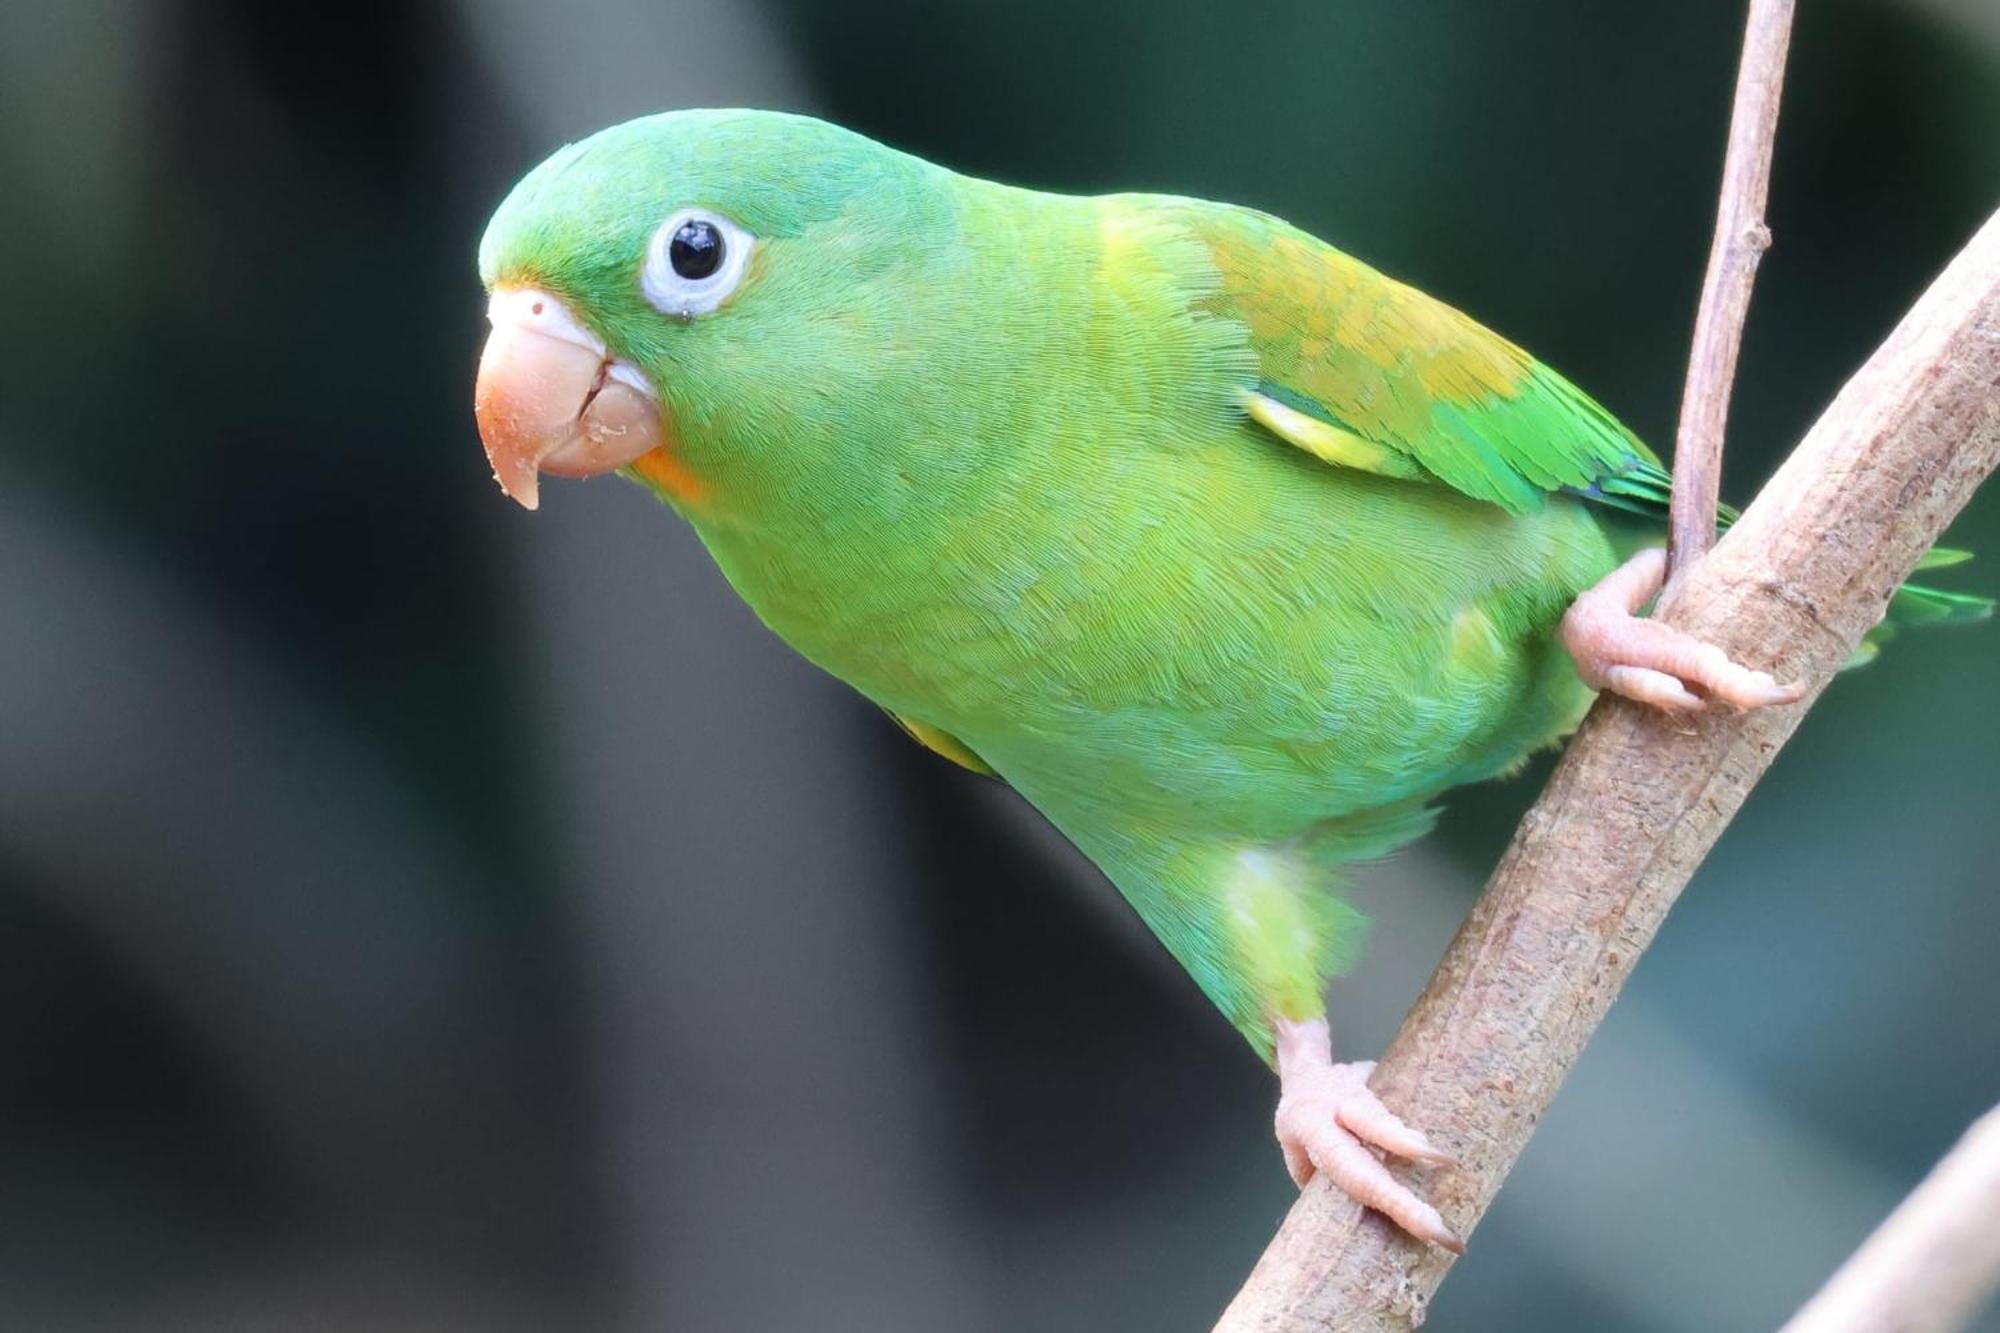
(1915, 605)
(1645, 488)
(1943, 557)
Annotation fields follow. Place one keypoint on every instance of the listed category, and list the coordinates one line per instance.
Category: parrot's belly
(1357, 645)
(1263, 754)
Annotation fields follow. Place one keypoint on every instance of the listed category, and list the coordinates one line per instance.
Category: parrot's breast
(1235, 636)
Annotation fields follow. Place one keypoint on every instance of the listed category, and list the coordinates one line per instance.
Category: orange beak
(551, 398)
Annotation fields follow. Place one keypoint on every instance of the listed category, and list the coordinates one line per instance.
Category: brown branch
(1932, 1265)
(1640, 797)
(1740, 241)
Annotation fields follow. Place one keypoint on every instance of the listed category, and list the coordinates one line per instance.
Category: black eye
(696, 249)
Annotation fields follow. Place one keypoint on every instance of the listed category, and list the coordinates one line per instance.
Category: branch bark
(1639, 798)
(1934, 1262)
(1740, 241)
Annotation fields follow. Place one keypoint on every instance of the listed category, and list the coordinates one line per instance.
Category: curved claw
(1651, 661)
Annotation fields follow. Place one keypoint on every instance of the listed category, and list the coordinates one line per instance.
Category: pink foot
(1651, 661)
(1327, 1121)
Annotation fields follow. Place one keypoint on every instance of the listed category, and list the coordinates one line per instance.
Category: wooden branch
(1640, 797)
(1934, 1263)
(1740, 241)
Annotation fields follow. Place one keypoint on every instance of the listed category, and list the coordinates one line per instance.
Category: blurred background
(417, 915)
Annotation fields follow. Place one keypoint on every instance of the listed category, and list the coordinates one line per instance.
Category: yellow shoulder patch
(1328, 443)
(944, 743)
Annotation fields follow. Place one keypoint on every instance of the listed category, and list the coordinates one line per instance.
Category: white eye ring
(683, 297)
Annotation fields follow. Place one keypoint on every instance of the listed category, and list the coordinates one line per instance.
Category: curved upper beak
(551, 397)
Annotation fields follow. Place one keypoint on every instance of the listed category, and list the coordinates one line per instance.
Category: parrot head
(675, 285)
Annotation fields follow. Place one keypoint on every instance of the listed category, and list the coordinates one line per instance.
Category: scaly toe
(1362, 1114)
(1647, 686)
(1360, 1174)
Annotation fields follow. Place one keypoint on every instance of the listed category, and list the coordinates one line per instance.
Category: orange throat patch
(663, 469)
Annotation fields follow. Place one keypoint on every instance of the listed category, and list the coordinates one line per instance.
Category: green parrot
(1227, 552)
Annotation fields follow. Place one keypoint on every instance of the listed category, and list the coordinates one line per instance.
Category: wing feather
(1363, 371)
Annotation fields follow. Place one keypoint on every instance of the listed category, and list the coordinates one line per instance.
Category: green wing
(1363, 371)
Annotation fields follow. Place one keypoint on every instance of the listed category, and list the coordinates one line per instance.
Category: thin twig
(1740, 241)
(1934, 1263)
(1639, 798)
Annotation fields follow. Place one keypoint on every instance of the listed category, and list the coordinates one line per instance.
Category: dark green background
(417, 915)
